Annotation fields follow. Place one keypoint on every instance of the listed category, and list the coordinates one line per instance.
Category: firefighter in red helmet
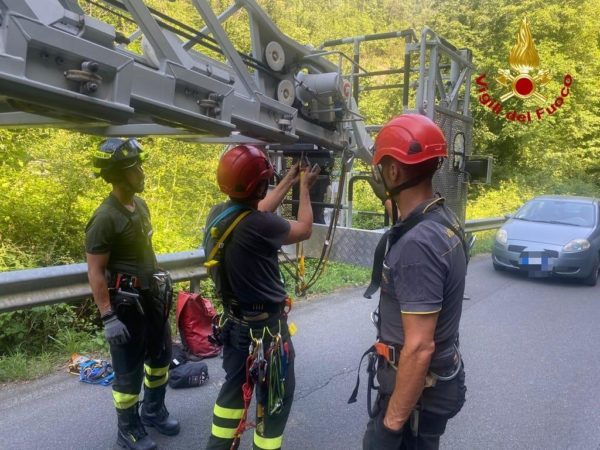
(242, 240)
(422, 278)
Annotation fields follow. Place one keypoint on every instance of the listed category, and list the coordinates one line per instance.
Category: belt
(251, 320)
(390, 353)
(256, 311)
(125, 280)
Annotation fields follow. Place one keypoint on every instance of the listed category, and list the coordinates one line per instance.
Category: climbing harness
(210, 259)
(396, 232)
(266, 371)
(96, 372)
(389, 354)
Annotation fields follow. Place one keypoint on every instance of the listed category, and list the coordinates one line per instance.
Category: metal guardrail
(472, 226)
(23, 289)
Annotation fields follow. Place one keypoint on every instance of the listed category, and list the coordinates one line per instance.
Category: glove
(115, 331)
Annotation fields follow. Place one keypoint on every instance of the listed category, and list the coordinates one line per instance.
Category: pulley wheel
(286, 93)
(275, 56)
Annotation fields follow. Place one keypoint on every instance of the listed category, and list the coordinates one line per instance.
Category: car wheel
(592, 278)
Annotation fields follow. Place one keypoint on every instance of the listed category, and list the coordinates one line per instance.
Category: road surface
(531, 355)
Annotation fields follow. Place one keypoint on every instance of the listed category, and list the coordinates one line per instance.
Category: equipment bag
(188, 374)
(194, 321)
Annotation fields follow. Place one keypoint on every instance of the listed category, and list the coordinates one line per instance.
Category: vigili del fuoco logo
(525, 81)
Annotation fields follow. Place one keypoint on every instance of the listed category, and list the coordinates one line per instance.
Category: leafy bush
(508, 197)
(57, 327)
(28, 330)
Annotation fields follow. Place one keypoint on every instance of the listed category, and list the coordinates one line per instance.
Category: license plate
(536, 261)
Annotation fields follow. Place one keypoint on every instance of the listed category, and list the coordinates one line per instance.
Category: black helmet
(116, 155)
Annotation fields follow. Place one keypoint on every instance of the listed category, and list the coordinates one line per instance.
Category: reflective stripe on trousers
(124, 401)
(155, 376)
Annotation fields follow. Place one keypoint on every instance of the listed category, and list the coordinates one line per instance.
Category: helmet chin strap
(409, 183)
(406, 185)
(261, 191)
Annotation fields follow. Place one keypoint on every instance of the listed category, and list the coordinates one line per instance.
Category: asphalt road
(530, 351)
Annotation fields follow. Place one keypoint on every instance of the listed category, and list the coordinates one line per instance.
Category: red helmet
(241, 169)
(410, 139)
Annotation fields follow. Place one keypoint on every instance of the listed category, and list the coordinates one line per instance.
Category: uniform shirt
(251, 260)
(126, 235)
(424, 272)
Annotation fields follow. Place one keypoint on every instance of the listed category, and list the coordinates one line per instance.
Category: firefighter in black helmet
(133, 296)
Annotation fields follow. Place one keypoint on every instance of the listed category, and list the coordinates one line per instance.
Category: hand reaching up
(310, 175)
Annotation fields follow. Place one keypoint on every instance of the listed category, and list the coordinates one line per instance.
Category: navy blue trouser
(437, 405)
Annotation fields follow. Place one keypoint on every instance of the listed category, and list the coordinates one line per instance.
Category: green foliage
(68, 341)
(35, 342)
(507, 198)
(14, 257)
(364, 221)
(19, 366)
(511, 195)
(42, 208)
(31, 329)
(181, 189)
(484, 242)
(70, 328)
(337, 276)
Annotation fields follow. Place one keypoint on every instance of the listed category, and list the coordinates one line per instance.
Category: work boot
(132, 434)
(155, 414)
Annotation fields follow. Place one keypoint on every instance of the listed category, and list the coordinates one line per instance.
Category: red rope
(247, 390)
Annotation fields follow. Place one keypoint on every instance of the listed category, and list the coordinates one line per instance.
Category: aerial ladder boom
(61, 67)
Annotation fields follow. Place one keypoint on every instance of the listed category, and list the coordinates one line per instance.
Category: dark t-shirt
(126, 235)
(424, 272)
(251, 262)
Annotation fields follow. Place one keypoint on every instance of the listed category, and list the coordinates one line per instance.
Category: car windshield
(558, 211)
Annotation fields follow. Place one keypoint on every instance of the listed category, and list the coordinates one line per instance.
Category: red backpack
(194, 321)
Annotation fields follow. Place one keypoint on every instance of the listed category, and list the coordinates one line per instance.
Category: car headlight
(502, 236)
(577, 245)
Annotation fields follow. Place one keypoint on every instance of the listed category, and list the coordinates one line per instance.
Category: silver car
(552, 235)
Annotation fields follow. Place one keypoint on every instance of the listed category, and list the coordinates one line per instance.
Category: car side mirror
(509, 216)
